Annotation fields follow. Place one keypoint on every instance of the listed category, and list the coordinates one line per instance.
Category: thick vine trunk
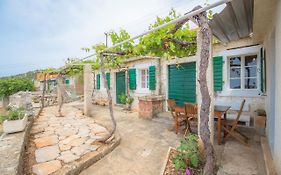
(109, 98)
(206, 99)
(61, 101)
(43, 92)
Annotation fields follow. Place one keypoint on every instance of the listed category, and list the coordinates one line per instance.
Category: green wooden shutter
(152, 78)
(132, 79)
(217, 72)
(67, 82)
(182, 83)
(263, 70)
(108, 79)
(98, 81)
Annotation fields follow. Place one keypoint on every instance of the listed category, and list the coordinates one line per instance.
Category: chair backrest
(240, 111)
(171, 104)
(191, 108)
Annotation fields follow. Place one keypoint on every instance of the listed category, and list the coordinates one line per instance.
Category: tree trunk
(109, 98)
(43, 93)
(206, 100)
(60, 102)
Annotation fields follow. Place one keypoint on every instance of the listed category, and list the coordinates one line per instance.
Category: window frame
(242, 51)
(242, 71)
(146, 78)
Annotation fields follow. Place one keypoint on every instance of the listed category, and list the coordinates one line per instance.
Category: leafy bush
(129, 100)
(9, 86)
(13, 114)
(126, 99)
(187, 153)
(123, 98)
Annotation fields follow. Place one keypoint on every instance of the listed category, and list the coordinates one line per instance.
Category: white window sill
(239, 93)
(143, 91)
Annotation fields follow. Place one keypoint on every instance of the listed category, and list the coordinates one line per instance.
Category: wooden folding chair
(230, 127)
(191, 113)
(178, 113)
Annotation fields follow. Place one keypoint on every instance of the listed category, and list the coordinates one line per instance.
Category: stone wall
(150, 106)
(12, 150)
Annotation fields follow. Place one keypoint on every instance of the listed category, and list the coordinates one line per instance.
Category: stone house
(73, 83)
(244, 65)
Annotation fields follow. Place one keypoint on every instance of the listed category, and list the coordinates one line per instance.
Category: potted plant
(15, 120)
(127, 100)
(185, 160)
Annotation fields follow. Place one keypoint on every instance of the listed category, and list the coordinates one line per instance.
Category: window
(243, 72)
(144, 78)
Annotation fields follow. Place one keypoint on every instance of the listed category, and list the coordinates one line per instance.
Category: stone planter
(150, 106)
(12, 126)
(166, 162)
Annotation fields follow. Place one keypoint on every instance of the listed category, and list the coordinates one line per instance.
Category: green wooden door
(182, 83)
(120, 85)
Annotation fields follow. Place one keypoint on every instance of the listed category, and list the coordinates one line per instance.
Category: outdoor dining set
(185, 114)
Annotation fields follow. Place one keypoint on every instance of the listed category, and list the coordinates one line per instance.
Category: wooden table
(219, 111)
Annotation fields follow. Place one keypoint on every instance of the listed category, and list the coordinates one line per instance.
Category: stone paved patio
(145, 144)
(143, 148)
(60, 141)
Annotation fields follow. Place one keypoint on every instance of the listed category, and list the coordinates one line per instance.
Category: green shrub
(123, 98)
(187, 153)
(13, 114)
(129, 100)
(9, 86)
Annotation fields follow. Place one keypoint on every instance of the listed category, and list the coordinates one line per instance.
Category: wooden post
(87, 88)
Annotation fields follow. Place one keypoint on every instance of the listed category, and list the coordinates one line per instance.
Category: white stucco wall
(277, 146)
(272, 44)
(254, 98)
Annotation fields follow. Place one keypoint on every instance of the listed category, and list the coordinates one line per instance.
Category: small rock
(90, 141)
(96, 137)
(83, 132)
(47, 167)
(44, 134)
(68, 157)
(46, 141)
(97, 129)
(93, 147)
(81, 150)
(68, 139)
(77, 141)
(37, 129)
(64, 147)
(47, 153)
(66, 131)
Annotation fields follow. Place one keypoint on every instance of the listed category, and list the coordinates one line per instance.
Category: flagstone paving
(59, 141)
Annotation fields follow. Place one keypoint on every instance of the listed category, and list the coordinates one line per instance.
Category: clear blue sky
(37, 34)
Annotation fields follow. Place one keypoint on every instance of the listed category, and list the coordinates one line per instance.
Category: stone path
(60, 141)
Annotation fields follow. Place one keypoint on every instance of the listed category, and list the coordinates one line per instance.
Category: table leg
(176, 123)
(219, 128)
(224, 132)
